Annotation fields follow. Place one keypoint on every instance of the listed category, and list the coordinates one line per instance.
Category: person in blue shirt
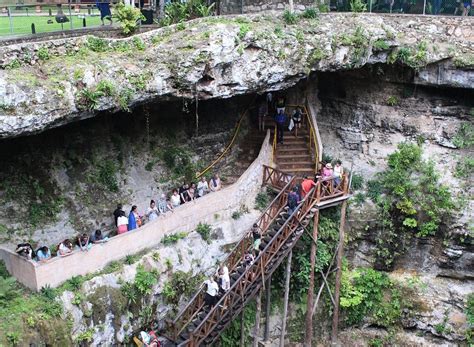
(281, 120)
(43, 254)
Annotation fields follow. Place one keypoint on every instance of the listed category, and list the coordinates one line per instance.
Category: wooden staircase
(197, 325)
(294, 155)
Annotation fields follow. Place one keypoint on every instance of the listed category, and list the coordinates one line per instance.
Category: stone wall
(252, 6)
(185, 218)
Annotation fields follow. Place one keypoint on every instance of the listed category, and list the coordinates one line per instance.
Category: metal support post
(309, 304)
(268, 308)
(10, 19)
(337, 291)
(70, 14)
(285, 302)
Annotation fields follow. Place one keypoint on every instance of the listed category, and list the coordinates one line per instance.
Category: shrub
(261, 201)
(89, 99)
(97, 44)
(168, 240)
(128, 17)
(392, 100)
(43, 53)
(358, 6)
(357, 181)
(464, 168)
(290, 18)
(310, 13)
(144, 280)
(48, 292)
(138, 43)
(177, 12)
(464, 137)
(244, 28)
(8, 290)
(381, 45)
(106, 88)
(131, 259)
(204, 230)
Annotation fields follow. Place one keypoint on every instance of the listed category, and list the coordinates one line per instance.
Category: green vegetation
(414, 202)
(310, 13)
(178, 12)
(357, 181)
(464, 137)
(231, 335)
(22, 24)
(413, 57)
(178, 160)
(290, 18)
(131, 259)
(181, 283)
(392, 100)
(359, 41)
(97, 44)
(316, 55)
(171, 239)
(139, 81)
(469, 310)
(204, 230)
(14, 64)
(380, 45)
(128, 17)
(106, 175)
(88, 99)
(144, 280)
(358, 6)
(106, 88)
(244, 28)
(240, 212)
(22, 311)
(85, 336)
(262, 200)
(464, 167)
(138, 43)
(43, 53)
(464, 61)
(369, 295)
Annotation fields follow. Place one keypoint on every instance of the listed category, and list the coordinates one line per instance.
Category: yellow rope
(199, 174)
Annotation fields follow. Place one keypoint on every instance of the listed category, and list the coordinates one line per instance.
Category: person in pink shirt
(327, 171)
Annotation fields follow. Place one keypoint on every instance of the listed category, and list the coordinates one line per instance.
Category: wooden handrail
(265, 220)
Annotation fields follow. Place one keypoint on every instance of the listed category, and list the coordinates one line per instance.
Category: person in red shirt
(306, 186)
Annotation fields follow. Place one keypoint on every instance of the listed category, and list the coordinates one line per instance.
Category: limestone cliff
(43, 85)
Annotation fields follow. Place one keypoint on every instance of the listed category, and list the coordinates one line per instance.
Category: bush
(358, 6)
(357, 181)
(128, 17)
(144, 280)
(261, 201)
(178, 12)
(392, 101)
(168, 240)
(97, 44)
(310, 13)
(464, 137)
(43, 53)
(106, 88)
(290, 18)
(204, 230)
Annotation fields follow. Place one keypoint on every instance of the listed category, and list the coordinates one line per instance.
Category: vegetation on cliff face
(411, 201)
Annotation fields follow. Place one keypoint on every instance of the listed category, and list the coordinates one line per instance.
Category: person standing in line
(202, 187)
(280, 120)
(306, 186)
(175, 199)
(152, 211)
(293, 200)
(338, 172)
(215, 183)
(133, 218)
(122, 223)
(297, 120)
(224, 278)
(211, 292)
(280, 104)
(43, 254)
(262, 113)
(118, 212)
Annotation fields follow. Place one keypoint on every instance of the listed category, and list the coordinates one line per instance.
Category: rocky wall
(48, 84)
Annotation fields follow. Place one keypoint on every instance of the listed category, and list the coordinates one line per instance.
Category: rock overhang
(51, 83)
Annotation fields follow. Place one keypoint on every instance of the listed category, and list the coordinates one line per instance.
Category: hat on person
(329, 166)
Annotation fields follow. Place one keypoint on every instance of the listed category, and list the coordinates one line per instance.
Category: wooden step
(284, 157)
(295, 164)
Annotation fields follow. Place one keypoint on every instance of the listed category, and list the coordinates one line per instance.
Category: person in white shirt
(175, 199)
(215, 183)
(337, 173)
(122, 223)
(152, 211)
(202, 187)
(224, 278)
(211, 292)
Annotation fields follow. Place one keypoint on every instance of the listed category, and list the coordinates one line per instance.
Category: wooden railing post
(309, 303)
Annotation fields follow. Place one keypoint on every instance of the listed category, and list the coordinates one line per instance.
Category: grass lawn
(22, 24)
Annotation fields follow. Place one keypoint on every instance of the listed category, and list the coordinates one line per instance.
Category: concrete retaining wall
(185, 218)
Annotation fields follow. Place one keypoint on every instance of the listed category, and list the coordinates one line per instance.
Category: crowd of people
(125, 223)
(276, 110)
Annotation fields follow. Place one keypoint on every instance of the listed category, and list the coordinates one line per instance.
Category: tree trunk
(257, 320)
(309, 305)
(337, 290)
(285, 302)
